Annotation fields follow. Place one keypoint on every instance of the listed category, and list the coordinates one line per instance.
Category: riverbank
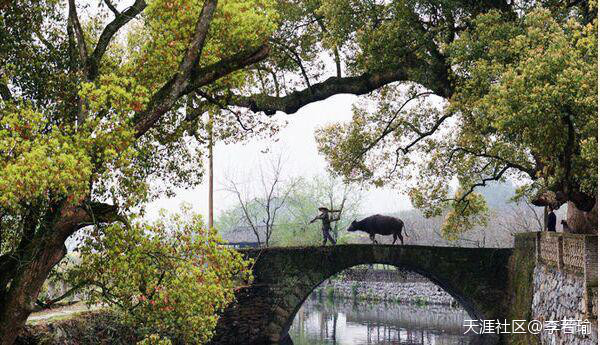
(384, 285)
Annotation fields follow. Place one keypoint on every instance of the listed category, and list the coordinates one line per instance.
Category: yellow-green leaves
(465, 214)
(523, 107)
(525, 84)
(40, 160)
(157, 47)
(43, 158)
(168, 279)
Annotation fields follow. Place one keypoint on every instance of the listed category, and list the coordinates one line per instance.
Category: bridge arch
(462, 300)
(285, 277)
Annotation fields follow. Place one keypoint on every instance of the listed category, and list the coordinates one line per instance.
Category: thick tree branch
(209, 74)
(112, 7)
(78, 31)
(569, 149)
(48, 303)
(108, 33)
(163, 100)
(358, 85)
(582, 201)
(194, 49)
(73, 218)
(98, 212)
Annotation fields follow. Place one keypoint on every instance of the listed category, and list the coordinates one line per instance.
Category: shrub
(170, 278)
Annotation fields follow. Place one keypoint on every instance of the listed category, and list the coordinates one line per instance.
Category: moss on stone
(520, 285)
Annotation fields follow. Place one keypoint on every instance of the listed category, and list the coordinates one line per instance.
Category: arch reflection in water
(344, 322)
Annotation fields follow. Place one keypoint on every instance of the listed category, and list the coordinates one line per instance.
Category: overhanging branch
(290, 103)
(529, 171)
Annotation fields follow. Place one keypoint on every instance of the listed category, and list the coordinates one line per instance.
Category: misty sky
(297, 143)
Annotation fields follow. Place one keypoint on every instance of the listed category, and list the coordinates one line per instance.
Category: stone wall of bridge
(284, 277)
(544, 277)
(565, 285)
(554, 276)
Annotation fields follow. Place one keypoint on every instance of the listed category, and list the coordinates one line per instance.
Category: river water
(323, 321)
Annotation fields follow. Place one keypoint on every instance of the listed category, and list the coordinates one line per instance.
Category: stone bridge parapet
(575, 254)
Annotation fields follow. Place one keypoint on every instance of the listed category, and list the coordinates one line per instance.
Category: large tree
(91, 112)
(100, 99)
(522, 105)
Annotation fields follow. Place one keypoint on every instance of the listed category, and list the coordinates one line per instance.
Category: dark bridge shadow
(285, 277)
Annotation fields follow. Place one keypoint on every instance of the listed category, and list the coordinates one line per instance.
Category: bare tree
(339, 195)
(522, 217)
(262, 201)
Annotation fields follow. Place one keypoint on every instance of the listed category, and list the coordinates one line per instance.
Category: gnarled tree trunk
(19, 300)
(581, 222)
(25, 270)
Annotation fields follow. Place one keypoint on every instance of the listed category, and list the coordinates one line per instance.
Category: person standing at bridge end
(552, 220)
(327, 219)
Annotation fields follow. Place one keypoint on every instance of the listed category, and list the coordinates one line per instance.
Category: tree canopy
(97, 116)
(103, 104)
(523, 106)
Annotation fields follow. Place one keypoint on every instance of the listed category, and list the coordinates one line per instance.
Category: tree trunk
(37, 259)
(19, 300)
(210, 171)
(581, 222)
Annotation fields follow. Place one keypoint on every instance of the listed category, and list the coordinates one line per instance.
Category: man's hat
(323, 209)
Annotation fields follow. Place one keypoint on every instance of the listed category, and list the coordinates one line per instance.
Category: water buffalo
(381, 225)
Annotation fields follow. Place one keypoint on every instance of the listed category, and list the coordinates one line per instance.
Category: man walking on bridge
(324, 216)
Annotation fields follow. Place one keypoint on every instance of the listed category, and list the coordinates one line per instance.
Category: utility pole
(210, 170)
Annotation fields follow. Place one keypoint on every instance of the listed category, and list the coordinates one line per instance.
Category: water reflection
(343, 322)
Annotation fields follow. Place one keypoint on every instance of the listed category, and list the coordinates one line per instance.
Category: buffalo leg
(401, 239)
(372, 237)
(395, 237)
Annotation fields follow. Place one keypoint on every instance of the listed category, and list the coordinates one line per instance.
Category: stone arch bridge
(284, 277)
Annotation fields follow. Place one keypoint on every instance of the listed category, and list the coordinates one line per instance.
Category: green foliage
(542, 83)
(171, 277)
(465, 214)
(66, 138)
(154, 339)
(421, 301)
(26, 170)
(354, 290)
(523, 107)
(330, 292)
(100, 112)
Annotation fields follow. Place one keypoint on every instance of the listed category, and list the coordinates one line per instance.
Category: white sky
(297, 142)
